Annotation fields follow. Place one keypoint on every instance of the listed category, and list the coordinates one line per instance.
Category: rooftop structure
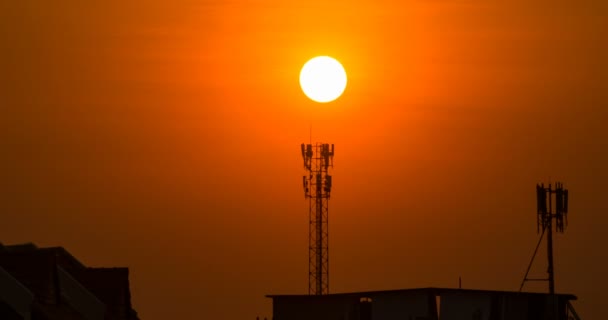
(425, 304)
(50, 283)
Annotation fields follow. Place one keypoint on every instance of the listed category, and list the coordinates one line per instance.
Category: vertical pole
(326, 244)
(552, 303)
(550, 256)
(550, 245)
(310, 244)
(319, 217)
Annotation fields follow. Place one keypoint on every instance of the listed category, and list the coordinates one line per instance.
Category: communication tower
(318, 158)
(551, 204)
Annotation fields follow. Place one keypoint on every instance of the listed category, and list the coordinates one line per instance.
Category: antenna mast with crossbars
(318, 158)
(551, 206)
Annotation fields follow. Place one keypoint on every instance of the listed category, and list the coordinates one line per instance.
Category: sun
(323, 79)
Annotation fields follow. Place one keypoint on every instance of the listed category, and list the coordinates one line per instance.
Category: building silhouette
(50, 283)
(425, 304)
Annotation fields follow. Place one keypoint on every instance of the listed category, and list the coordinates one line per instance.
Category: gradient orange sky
(164, 136)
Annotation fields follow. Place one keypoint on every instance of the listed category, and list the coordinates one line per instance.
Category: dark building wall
(7, 313)
(318, 308)
(404, 305)
(466, 305)
(36, 271)
(111, 286)
(39, 270)
(423, 304)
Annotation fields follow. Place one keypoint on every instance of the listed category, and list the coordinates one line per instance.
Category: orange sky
(164, 136)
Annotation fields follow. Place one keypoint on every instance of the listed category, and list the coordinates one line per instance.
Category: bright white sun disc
(323, 79)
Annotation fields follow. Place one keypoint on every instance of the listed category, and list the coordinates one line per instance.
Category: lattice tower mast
(318, 158)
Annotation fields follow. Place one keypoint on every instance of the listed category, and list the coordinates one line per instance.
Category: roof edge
(433, 290)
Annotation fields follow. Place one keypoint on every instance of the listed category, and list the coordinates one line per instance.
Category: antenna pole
(310, 134)
(550, 269)
(546, 213)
